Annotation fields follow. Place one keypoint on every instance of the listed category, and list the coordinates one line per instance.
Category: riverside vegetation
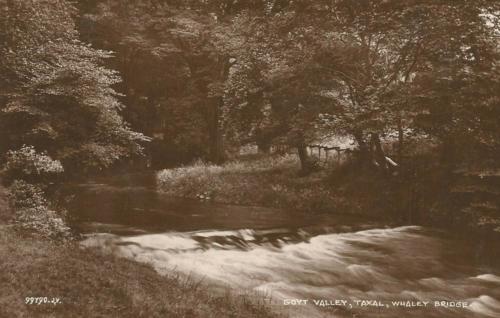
(421, 193)
(272, 181)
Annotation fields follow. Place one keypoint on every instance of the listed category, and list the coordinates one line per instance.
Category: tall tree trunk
(364, 151)
(378, 152)
(400, 138)
(263, 141)
(299, 142)
(216, 148)
(305, 163)
(264, 146)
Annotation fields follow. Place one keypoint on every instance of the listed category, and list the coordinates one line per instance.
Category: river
(307, 265)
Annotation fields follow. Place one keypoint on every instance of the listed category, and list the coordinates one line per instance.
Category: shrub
(27, 171)
(24, 195)
(27, 164)
(32, 212)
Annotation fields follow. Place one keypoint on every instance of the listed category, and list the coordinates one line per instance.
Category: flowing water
(309, 266)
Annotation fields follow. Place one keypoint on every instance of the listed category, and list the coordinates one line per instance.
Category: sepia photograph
(249, 158)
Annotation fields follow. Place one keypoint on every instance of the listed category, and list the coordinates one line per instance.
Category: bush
(27, 171)
(27, 164)
(32, 212)
(24, 195)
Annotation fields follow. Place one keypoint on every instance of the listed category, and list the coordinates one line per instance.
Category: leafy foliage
(26, 163)
(170, 71)
(369, 68)
(27, 172)
(33, 214)
(208, 76)
(55, 91)
(55, 94)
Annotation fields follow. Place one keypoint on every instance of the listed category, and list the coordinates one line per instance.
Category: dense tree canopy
(56, 93)
(366, 68)
(205, 77)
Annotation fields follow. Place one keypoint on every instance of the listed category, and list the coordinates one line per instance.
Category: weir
(334, 265)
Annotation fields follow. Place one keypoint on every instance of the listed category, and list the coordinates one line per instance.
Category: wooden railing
(326, 154)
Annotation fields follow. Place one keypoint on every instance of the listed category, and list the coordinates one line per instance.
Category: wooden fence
(327, 155)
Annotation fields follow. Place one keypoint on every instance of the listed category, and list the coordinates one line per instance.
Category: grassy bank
(276, 181)
(91, 284)
(422, 191)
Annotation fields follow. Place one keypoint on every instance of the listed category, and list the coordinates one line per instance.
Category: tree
(220, 73)
(371, 67)
(55, 92)
(375, 56)
(268, 95)
(173, 74)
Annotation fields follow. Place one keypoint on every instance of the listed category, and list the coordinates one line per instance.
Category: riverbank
(420, 193)
(89, 283)
(275, 181)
